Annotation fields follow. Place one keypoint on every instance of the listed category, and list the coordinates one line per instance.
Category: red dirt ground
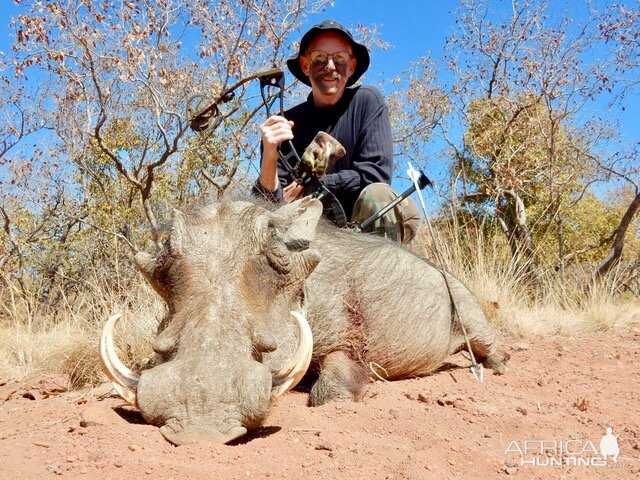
(564, 390)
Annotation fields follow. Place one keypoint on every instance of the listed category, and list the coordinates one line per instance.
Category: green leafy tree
(530, 150)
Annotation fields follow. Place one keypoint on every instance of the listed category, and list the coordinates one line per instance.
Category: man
(329, 60)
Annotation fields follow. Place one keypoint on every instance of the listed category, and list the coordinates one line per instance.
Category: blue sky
(411, 27)
(414, 28)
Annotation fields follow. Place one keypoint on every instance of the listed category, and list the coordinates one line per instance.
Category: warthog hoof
(497, 362)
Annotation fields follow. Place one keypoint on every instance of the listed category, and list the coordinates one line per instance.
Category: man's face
(329, 77)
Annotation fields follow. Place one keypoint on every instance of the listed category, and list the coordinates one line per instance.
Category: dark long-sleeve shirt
(360, 122)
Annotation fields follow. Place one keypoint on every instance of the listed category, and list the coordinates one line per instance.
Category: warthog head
(235, 336)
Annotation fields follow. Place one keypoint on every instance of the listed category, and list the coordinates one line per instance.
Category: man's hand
(275, 130)
(292, 191)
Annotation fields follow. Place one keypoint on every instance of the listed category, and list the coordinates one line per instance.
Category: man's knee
(399, 224)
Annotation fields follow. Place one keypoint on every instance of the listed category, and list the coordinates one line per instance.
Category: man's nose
(330, 65)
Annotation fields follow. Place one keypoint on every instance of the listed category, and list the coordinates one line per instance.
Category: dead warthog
(243, 284)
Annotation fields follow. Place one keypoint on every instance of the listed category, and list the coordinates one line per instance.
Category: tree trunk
(613, 257)
(561, 256)
(526, 245)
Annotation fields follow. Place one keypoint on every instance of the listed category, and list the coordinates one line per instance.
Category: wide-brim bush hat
(360, 52)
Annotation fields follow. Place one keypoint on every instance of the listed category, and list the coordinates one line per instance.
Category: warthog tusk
(289, 376)
(123, 380)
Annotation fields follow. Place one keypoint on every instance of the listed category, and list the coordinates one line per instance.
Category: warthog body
(232, 272)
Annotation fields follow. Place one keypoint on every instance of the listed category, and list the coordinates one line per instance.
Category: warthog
(243, 284)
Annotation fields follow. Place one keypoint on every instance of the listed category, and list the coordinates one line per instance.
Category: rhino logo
(609, 445)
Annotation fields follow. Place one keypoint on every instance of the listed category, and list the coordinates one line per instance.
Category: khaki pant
(399, 224)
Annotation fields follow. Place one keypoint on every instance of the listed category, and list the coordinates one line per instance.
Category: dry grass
(66, 340)
(555, 306)
(35, 342)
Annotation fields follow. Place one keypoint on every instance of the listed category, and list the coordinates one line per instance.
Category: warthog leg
(340, 379)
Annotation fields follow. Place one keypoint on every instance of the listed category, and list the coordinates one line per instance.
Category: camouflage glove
(321, 153)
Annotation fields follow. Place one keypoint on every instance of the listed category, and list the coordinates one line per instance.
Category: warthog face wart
(232, 276)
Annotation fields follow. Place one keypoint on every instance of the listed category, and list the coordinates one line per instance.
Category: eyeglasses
(322, 58)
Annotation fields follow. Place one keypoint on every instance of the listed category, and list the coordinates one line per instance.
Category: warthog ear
(300, 219)
(295, 223)
(147, 264)
(285, 236)
(178, 230)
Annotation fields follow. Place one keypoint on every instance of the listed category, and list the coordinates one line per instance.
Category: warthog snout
(213, 400)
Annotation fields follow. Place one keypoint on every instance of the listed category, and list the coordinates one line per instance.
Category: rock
(103, 391)
(7, 394)
(511, 470)
(423, 397)
(96, 414)
(29, 395)
(88, 423)
(520, 347)
(522, 410)
(49, 385)
(54, 468)
(324, 446)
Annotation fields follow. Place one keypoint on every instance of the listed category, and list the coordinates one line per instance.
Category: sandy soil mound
(565, 391)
